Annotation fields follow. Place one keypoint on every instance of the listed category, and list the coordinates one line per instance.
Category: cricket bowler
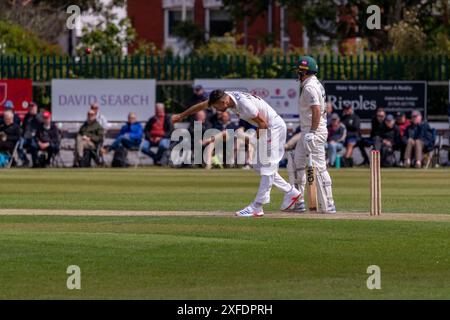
(310, 148)
(259, 113)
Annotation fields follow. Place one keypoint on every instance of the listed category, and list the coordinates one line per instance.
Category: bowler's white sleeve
(312, 97)
(248, 109)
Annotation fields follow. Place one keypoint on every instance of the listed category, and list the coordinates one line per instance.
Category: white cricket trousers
(267, 162)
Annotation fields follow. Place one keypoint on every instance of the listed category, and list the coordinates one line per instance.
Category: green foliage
(407, 35)
(193, 34)
(14, 40)
(108, 39)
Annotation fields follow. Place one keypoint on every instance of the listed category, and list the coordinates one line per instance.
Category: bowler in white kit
(271, 131)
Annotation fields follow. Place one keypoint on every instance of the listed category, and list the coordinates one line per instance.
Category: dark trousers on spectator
(24, 146)
(51, 150)
(363, 143)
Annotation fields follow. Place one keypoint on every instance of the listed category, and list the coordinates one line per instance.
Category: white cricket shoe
(250, 211)
(290, 199)
(331, 210)
(299, 206)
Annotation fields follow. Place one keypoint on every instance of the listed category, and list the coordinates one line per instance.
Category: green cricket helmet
(306, 65)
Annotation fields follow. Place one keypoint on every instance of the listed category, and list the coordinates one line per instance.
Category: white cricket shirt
(248, 106)
(312, 93)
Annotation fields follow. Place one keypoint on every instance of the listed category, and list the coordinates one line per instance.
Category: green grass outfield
(218, 257)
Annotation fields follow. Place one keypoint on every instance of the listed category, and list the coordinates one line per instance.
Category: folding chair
(139, 154)
(13, 156)
(432, 156)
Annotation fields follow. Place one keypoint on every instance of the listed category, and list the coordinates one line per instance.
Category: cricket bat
(312, 188)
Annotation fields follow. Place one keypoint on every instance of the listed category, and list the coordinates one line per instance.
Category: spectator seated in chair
(30, 126)
(89, 137)
(157, 134)
(223, 124)
(353, 125)
(402, 123)
(336, 138)
(8, 105)
(46, 141)
(387, 140)
(130, 135)
(101, 119)
(9, 133)
(419, 138)
(376, 124)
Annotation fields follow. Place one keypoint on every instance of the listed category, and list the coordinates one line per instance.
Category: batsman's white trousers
(317, 154)
(267, 162)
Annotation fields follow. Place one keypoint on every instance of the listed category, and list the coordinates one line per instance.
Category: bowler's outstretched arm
(192, 110)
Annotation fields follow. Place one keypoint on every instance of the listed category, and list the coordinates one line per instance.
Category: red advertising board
(19, 91)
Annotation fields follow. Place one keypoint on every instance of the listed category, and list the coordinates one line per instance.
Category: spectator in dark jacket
(89, 136)
(47, 140)
(376, 123)
(30, 125)
(157, 133)
(336, 138)
(387, 140)
(8, 105)
(130, 135)
(353, 124)
(198, 95)
(420, 139)
(402, 123)
(9, 133)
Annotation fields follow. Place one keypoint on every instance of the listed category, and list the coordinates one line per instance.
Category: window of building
(220, 22)
(175, 17)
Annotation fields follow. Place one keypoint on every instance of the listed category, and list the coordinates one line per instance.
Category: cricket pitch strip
(271, 215)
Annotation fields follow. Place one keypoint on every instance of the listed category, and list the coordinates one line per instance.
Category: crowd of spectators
(389, 133)
(38, 136)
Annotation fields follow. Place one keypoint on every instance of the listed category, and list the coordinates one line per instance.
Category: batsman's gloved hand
(309, 141)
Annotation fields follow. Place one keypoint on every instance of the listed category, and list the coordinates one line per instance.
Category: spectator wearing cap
(353, 125)
(199, 95)
(8, 105)
(337, 132)
(9, 133)
(419, 139)
(157, 133)
(47, 140)
(89, 137)
(387, 140)
(130, 135)
(30, 126)
(402, 123)
(101, 119)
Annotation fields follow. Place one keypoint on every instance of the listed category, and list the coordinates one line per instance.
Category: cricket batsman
(259, 113)
(310, 148)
